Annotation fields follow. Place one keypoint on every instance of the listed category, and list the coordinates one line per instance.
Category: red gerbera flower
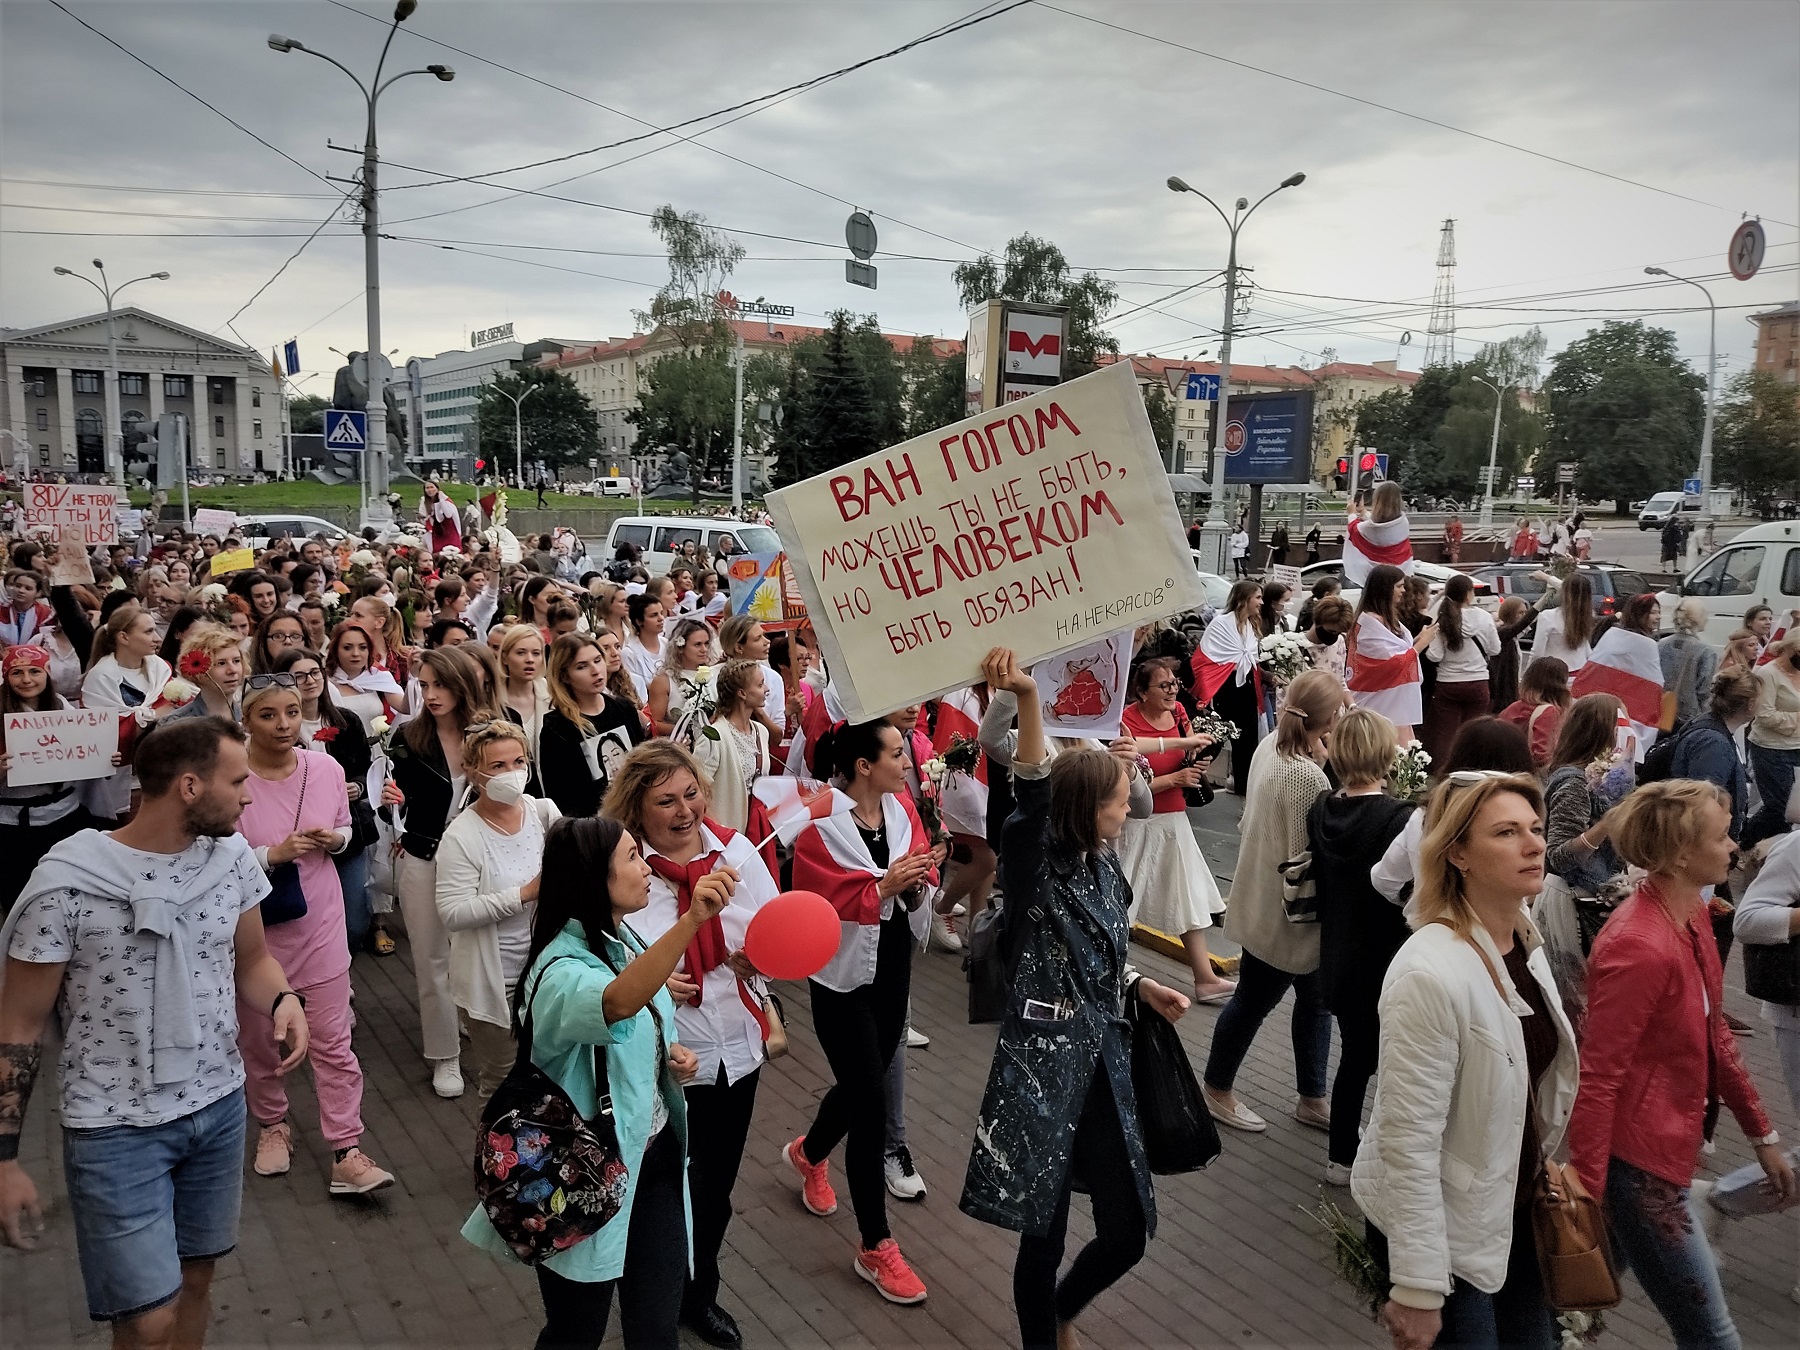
(325, 735)
(195, 664)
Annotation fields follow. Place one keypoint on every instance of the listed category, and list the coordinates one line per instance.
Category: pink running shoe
(815, 1180)
(884, 1267)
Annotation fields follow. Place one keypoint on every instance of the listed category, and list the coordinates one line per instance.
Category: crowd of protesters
(551, 779)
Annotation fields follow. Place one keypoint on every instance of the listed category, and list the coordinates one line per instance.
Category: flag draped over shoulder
(1625, 664)
(1367, 544)
(1226, 650)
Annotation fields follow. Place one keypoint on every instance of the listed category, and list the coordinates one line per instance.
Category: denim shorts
(146, 1198)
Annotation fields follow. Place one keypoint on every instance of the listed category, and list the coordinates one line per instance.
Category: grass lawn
(307, 499)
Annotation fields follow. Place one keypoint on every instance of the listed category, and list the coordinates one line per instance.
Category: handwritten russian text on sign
(72, 511)
(230, 560)
(60, 747)
(1042, 525)
(214, 521)
(72, 566)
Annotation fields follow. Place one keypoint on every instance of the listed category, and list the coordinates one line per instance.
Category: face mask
(504, 789)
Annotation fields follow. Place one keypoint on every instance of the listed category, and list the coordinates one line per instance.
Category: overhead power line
(1398, 112)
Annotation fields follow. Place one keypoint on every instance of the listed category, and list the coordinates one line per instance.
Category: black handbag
(547, 1176)
(286, 901)
(1179, 1134)
(1772, 971)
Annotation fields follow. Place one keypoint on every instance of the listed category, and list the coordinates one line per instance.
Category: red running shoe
(815, 1180)
(884, 1267)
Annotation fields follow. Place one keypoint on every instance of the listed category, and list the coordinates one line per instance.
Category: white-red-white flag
(792, 803)
(1626, 665)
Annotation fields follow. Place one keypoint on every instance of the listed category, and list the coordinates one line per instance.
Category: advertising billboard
(1268, 438)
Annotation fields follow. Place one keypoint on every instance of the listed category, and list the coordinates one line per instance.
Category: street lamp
(1487, 499)
(375, 509)
(115, 437)
(1214, 533)
(1704, 524)
(518, 402)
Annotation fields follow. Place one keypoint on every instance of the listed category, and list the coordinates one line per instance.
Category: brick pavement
(1234, 1262)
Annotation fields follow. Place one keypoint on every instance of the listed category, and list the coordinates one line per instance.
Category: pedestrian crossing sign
(346, 430)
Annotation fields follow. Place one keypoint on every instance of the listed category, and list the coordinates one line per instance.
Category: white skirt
(1172, 887)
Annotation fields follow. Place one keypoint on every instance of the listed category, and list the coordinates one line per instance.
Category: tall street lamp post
(1487, 498)
(1702, 526)
(518, 402)
(115, 436)
(1214, 533)
(375, 509)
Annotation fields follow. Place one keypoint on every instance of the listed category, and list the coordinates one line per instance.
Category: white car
(1761, 566)
(660, 538)
(1218, 588)
(1434, 573)
(258, 532)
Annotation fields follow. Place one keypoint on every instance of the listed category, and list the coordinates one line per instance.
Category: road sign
(1234, 437)
(1691, 486)
(859, 273)
(1524, 483)
(346, 430)
(1565, 472)
(1746, 252)
(1202, 388)
(859, 234)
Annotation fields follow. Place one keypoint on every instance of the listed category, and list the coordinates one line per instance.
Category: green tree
(701, 259)
(886, 380)
(935, 394)
(1756, 438)
(684, 403)
(557, 421)
(306, 414)
(1161, 409)
(1626, 408)
(1403, 425)
(1035, 272)
(831, 413)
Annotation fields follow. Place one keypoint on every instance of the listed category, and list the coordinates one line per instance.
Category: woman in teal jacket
(611, 994)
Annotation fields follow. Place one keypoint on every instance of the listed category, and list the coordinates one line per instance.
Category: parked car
(1435, 573)
(660, 537)
(1613, 585)
(1656, 512)
(1759, 567)
(1218, 588)
(258, 532)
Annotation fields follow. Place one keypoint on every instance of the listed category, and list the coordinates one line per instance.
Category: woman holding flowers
(1226, 674)
(361, 688)
(733, 749)
(1171, 883)
(212, 661)
(685, 673)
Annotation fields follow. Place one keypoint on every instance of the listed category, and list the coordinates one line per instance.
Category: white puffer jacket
(1439, 1163)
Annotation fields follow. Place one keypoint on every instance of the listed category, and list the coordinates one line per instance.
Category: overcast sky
(1037, 120)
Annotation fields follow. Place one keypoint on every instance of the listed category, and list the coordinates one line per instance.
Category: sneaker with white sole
(943, 933)
(274, 1150)
(815, 1179)
(356, 1174)
(916, 1039)
(1337, 1174)
(446, 1078)
(884, 1267)
(903, 1179)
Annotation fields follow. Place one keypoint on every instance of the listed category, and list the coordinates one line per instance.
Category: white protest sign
(1083, 691)
(60, 747)
(72, 567)
(214, 521)
(88, 515)
(1287, 576)
(1041, 526)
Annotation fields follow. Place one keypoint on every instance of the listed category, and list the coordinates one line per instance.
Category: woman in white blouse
(643, 651)
(126, 673)
(524, 693)
(487, 882)
(1567, 632)
(740, 755)
(659, 794)
(1464, 642)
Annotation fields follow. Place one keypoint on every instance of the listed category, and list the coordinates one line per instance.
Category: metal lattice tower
(1440, 339)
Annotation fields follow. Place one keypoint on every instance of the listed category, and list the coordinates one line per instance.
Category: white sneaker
(446, 1078)
(1336, 1174)
(916, 1039)
(942, 934)
(959, 910)
(903, 1179)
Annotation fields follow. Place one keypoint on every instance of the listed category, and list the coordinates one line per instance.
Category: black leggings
(576, 1312)
(1099, 1158)
(1236, 703)
(859, 1032)
(1360, 1033)
(718, 1115)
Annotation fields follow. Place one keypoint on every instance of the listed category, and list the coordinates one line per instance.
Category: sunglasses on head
(1471, 777)
(282, 680)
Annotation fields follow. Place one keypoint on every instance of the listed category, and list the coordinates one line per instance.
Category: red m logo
(1050, 344)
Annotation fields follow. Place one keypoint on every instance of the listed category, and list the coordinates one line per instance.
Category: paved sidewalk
(1235, 1261)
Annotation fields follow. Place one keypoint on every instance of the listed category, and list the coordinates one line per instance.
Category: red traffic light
(1343, 465)
(1368, 461)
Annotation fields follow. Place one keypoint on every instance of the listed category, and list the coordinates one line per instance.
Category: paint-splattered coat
(1020, 1162)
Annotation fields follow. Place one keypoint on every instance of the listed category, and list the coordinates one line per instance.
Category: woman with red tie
(659, 795)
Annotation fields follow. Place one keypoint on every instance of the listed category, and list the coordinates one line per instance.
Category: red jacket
(1651, 1008)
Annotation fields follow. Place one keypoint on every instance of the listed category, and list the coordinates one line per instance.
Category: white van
(660, 538)
(1657, 511)
(612, 487)
(1759, 567)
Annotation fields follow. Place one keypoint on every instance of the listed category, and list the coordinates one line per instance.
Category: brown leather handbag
(1573, 1250)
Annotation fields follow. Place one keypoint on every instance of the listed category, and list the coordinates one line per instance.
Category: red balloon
(794, 936)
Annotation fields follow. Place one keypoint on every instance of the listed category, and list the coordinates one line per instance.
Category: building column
(244, 460)
(156, 395)
(65, 458)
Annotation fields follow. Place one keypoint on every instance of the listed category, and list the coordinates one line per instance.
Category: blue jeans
(147, 1198)
(353, 876)
(1260, 988)
(1654, 1233)
(1774, 770)
(1514, 1316)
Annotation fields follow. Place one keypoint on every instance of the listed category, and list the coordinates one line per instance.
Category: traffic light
(164, 447)
(1343, 466)
(1367, 463)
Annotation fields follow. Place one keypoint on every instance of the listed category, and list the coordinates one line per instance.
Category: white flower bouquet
(1283, 656)
(1207, 722)
(1410, 773)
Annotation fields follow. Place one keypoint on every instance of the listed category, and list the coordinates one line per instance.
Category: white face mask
(504, 789)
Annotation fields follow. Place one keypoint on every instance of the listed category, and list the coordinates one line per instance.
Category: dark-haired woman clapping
(590, 982)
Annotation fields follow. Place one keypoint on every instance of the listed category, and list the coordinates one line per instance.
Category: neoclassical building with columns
(54, 399)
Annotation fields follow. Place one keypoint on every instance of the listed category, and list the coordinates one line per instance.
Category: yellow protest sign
(1041, 525)
(233, 560)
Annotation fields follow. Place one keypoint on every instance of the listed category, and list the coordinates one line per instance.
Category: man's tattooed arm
(18, 1072)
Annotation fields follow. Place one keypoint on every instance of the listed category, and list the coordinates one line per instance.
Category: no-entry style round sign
(1746, 253)
(1234, 437)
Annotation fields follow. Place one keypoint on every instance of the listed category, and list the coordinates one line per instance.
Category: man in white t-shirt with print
(142, 941)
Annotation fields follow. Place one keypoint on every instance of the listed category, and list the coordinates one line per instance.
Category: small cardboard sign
(233, 560)
(49, 509)
(60, 747)
(214, 521)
